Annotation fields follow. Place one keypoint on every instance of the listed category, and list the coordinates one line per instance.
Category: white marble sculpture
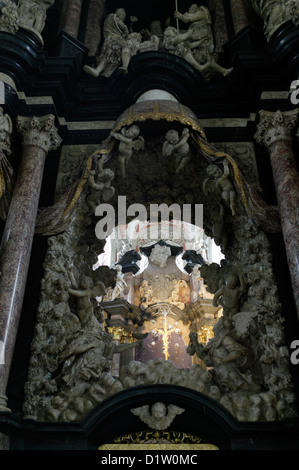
(158, 416)
(177, 146)
(129, 141)
(160, 254)
(275, 13)
(196, 45)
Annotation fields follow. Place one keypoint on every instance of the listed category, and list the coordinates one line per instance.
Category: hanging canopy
(262, 215)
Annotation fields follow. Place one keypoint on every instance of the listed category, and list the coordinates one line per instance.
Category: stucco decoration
(244, 366)
(159, 416)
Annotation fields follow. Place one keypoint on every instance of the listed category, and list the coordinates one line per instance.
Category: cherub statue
(230, 294)
(160, 417)
(129, 140)
(177, 146)
(86, 296)
(100, 184)
(222, 181)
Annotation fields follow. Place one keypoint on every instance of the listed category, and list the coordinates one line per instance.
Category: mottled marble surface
(70, 16)
(239, 15)
(94, 25)
(286, 180)
(16, 249)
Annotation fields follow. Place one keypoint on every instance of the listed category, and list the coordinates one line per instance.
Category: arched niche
(202, 417)
(73, 358)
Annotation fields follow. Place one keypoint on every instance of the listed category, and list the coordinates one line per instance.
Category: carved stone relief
(192, 40)
(159, 417)
(28, 14)
(242, 364)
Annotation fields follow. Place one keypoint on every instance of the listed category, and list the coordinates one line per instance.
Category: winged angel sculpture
(160, 417)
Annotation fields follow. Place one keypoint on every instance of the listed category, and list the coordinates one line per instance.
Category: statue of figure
(129, 140)
(177, 146)
(226, 355)
(118, 48)
(160, 417)
(86, 297)
(118, 289)
(33, 13)
(100, 188)
(115, 34)
(274, 13)
(229, 295)
(9, 19)
(7, 175)
(176, 43)
(151, 44)
(200, 40)
(146, 295)
(155, 33)
(223, 182)
(6, 129)
(160, 254)
(88, 355)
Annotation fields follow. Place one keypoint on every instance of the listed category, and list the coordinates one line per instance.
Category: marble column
(94, 26)
(275, 132)
(239, 14)
(39, 137)
(70, 16)
(219, 24)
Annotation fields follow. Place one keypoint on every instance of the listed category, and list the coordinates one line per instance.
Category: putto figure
(178, 147)
(129, 140)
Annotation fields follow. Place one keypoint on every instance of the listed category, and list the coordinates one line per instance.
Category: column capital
(274, 126)
(39, 131)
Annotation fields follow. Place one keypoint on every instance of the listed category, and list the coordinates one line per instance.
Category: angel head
(172, 136)
(133, 131)
(214, 171)
(159, 410)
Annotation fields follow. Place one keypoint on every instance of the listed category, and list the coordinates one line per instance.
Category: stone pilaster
(275, 132)
(39, 137)
(70, 17)
(94, 26)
